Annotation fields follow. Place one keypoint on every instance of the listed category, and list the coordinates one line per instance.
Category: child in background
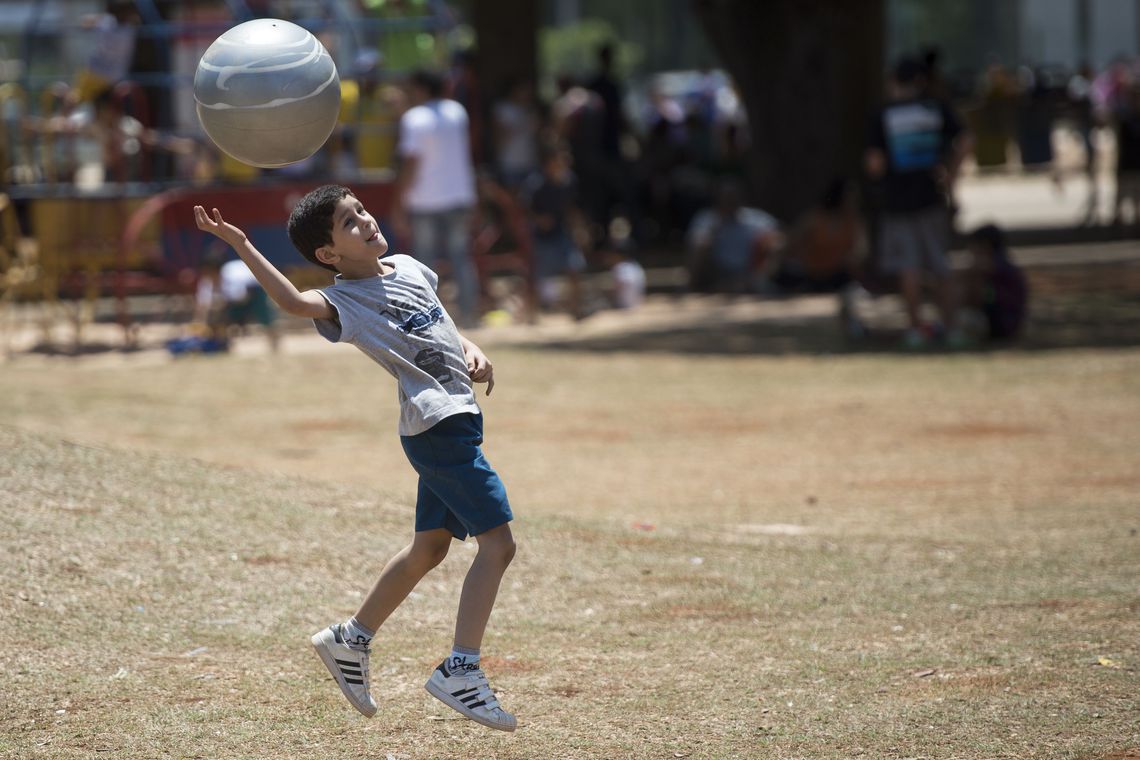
(995, 285)
(627, 290)
(550, 197)
(228, 295)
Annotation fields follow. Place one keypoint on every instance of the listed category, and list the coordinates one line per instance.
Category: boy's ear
(325, 255)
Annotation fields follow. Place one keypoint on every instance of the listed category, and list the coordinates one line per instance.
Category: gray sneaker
(349, 666)
(466, 691)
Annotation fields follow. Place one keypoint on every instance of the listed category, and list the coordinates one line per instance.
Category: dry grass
(737, 556)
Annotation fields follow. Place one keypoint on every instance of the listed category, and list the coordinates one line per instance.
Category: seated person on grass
(994, 285)
(730, 245)
(229, 297)
(826, 245)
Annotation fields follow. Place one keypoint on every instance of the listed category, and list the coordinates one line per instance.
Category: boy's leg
(459, 682)
(481, 586)
(343, 648)
(401, 574)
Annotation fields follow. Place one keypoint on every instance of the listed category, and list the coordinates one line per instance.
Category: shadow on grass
(85, 348)
(1056, 322)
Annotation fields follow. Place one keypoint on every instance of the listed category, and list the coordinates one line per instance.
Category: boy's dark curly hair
(310, 223)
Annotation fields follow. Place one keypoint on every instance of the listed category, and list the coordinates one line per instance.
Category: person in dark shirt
(914, 150)
(609, 90)
(550, 197)
(1128, 157)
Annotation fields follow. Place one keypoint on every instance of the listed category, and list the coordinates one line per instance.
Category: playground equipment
(106, 214)
(161, 247)
(18, 268)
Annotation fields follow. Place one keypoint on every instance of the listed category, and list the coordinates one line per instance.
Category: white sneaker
(466, 691)
(348, 666)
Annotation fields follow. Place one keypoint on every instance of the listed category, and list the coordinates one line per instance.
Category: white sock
(462, 659)
(356, 635)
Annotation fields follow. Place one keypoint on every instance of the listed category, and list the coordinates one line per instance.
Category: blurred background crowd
(627, 146)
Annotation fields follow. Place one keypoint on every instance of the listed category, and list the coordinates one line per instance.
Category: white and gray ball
(267, 93)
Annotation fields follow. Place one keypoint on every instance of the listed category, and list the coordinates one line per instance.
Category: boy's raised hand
(215, 225)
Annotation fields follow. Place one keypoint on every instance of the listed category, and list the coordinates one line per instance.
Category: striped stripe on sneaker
(348, 666)
(468, 693)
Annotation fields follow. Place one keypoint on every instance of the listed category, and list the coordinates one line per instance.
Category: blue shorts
(458, 489)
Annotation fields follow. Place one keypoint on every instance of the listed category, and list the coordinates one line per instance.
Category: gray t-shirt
(398, 321)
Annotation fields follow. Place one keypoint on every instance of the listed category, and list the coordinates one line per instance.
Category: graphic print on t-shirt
(914, 135)
(434, 363)
(410, 314)
(419, 320)
(413, 315)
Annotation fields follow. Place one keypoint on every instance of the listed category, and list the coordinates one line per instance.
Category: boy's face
(356, 237)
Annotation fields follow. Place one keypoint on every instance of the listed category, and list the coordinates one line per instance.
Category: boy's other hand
(479, 367)
(215, 225)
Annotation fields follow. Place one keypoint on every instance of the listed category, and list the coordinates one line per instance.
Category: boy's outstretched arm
(308, 303)
(478, 365)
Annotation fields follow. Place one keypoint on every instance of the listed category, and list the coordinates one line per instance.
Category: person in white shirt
(435, 186)
(629, 284)
(730, 244)
(516, 134)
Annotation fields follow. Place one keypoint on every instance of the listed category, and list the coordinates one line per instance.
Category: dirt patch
(325, 426)
(937, 682)
(1054, 605)
(1118, 481)
(910, 483)
(987, 680)
(709, 612)
(267, 559)
(80, 510)
(981, 430)
(775, 529)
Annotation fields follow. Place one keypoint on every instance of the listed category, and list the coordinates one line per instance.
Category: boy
(389, 309)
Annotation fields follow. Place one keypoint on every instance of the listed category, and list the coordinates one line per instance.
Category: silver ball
(267, 93)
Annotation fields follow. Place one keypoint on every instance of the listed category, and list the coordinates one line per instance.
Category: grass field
(723, 556)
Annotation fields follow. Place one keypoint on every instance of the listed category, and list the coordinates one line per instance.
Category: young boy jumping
(389, 309)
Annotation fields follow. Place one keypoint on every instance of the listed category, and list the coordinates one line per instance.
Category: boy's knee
(437, 552)
(430, 553)
(500, 546)
(509, 547)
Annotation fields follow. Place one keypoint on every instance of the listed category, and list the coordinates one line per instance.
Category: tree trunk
(506, 33)
(809, 72)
